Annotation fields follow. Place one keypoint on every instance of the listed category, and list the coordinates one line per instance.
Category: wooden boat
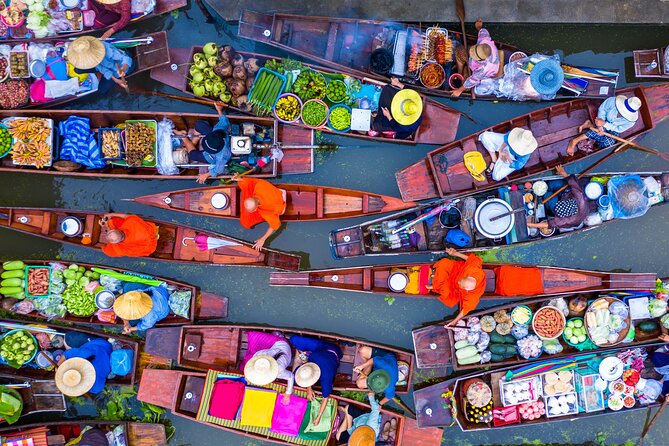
(36, 373)
(345, 44)
(375, 237)
(435, 345)
(136, 434)
(296, 144)
(182, 393)
(651, 64)
(222, 347)
(304, 202)
(442, 172)
(38, 395)
(203, 305)
(431, 412)
(439, 125)
(374, 279)
(175, 243)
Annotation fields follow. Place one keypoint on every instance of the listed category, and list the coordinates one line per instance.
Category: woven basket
(66, 166)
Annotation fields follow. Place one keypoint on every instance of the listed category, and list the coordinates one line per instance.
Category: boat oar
(406, 408)
(663, 155)
(460, 11)
(177, 97)
(427, 215)
(229, 180)
(652, 421)
(36, 329)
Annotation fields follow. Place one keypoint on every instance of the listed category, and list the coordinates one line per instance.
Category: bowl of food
(314, 113)
(432, 75)
(607, 320)
(288, 108)
(336, 91)
(521, 315)
(339, 118)
(548, 322)
(12, 16)
(18, 347)
(574, 333)
(615, 402)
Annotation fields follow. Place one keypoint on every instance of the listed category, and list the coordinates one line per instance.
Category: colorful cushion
(287, 418)
(518, 281)
(258, 407)
(226, 397)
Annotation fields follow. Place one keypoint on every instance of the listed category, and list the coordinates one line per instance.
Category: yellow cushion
(72, 73)
(258, 407)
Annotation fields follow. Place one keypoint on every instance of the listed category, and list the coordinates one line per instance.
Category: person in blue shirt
(377, 359)
(509, 151)
(98, 352)
(212, 149)
(91, 55)
(353, 417)
(615, 116)
(146, 307)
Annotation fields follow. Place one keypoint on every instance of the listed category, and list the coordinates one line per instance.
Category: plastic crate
(50, 139)
(27, 270)
(274, 73)
(119, 138)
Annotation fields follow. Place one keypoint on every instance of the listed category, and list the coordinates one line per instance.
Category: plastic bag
(628, 196)
(650, 392)
(111, 284)
(519, 331)
(25, 306)
(165, 163)
(180, 303)
(121, 361)
(552, 346)
(516, 84)
(561, 304)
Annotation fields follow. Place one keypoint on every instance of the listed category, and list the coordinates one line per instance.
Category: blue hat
(546, 77)
(458, 238)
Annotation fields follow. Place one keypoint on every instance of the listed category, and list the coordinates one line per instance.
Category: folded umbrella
(206, 243)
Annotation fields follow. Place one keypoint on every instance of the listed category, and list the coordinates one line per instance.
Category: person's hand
(600, 130)
(357, 369)
(371, 394)
(107, 34)
(128, 330)
(179, 132)
(457, 92)
(451, 251)
(450, 325)
(387, 113)
(104, 221)
(663, 338)
(504, 156)
(317, 420)
(310, 394)
(559, 169)
(61, 360)
(286, 399)
(259, 244)
(599, 122)
(202, 178)
(219, 107)
(236, 177)
(478, 24)
(396, 83)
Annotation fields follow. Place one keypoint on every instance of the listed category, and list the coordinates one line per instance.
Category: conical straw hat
(133, 305)
(75, 376)
(85, 52)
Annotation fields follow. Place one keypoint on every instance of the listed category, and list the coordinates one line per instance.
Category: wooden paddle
(652, 421)
(663, 155)
(179, 98)
(460, 11)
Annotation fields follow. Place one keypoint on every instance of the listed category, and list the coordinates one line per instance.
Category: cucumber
(14, 264)
(18, 296)
(8, 290)
(648, 326)
(466, 352)
(12, 282)
(498, 349)
(470, 360)
(511, 349)
(496, 358)
(13, 273)
(461, 344)
(496, 338)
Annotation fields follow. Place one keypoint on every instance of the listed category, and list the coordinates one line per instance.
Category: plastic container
(337, 81)
(439, 68)
(273, 73)
(528, 309)
(327, 114)
(11, 141)
(27, 271)
(49, 140)
(27, 65)
(299, 114)
(347, 129)
(564, 338)
(153, 125)
(119, 136)
(10, 332)
(16, 25)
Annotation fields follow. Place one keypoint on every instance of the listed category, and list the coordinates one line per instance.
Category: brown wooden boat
(38, 395)
(136, 434)
(39, 373)
(175, 244)
(439, 125)
(374, 279)
(651, 64)
(203, 305)
(304, 202)
(222, 347)
(431, 411)
(346, 44)
(375, 237)
(182, 393)
(442, 172)
(296, 144)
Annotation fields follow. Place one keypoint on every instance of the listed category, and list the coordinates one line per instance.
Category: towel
(78, 143)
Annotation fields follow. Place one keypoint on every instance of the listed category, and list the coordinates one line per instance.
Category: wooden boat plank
(147, 434)
(163, 6)
(430, 410)
(211, 306)
(159, 387)
(417, 182)
(432, 347)
(657, 98)
(415, 436)
(163, 343)
(643, 60)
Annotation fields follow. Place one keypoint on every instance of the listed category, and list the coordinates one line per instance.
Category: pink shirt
(484, 69)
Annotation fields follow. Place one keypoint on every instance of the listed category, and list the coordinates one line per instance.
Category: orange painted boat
(175, 243)
(304, 202)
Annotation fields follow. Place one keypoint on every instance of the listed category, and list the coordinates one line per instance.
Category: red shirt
(122, 8)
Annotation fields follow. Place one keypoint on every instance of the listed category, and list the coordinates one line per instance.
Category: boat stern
(289, 279)
(416, 182)
(347, 242)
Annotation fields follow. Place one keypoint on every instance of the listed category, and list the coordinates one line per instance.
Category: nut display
(18, 64)
(111, 145)
(140, 141)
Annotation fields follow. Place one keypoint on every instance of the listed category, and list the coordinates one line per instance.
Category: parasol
(206, 243)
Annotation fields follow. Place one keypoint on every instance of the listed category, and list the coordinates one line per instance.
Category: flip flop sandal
(386, 431)
(393, 428)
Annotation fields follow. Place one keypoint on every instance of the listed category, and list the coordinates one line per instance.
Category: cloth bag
(226, 397)
(287, 418)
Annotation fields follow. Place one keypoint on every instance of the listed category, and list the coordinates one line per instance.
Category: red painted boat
(651, 64)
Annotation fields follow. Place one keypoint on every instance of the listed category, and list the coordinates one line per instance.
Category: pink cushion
(257, 341)
(226, 397)
(288, 418)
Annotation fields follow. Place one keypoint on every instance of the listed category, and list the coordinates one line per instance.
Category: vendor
(483, 60)
(129, 236)
(377, 360)
(267, 365)
(116, 13)
(459, 282)
(91, 55)
(212, 149)
(359, 427)
(570, 208)
(400, 111)
(262, 202)
(514, 149)
(147, 308)
(614, 116)
(84, 368)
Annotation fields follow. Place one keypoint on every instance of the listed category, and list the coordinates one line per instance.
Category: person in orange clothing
(262, 201)
(129, 236)
(459, 282)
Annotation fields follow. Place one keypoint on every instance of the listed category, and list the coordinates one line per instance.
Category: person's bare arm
(359, 368)
(454, 253)
(324, 403)
(451, 324)
(261, 241)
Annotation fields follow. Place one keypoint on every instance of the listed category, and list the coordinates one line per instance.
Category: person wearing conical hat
(378, 372)
(359, 427)
(274, 362)
(88, 54)
(615, 116)
(400, 111)
(116, 13)
(143, 308)
(84, 369)
(483, 60)
(509, 151)
(128, 235)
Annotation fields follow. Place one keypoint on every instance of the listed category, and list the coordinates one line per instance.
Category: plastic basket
(274, 73)
(330, 112)
(11, 141)
(9, 59)
(10, 332)
(153, 125)
(327, 113)
(337, 81)
(27, 270)
(299, 114)
(586, 332)
(528, 309)
(119, 136)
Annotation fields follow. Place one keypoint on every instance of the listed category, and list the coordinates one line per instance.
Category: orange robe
(271, 203)
(448, 272)
(141, 237)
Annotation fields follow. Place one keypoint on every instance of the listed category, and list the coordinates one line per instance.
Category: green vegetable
(12, 282)
(511, 349)
(498, 349)
(648, 326)
(69, 274)
(340, 118)
(5, 141)
(466, 352)
(309, 84)
(496, 338)
(336, 91)
(267, 87)
(461, 344)
(73, 267)
(14, 348)
(470, 360)
(14, 264)
(314, 113)
(11, 405)
(13, 273)
(496, 358)
(7, 290)
(78, 301)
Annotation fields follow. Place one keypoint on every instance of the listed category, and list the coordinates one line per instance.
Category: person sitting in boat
(84, 368)
(269, 364)
(458, 282)
(483, 60)
(614, 116)
(400, 111)
(110, 12)
(358, 426)
(91, 55)
(212, 149)
(262, 201)
(514, 149)
(316, 361)
(570, 208)
(143, 308)
(378, 372)
(129, 236)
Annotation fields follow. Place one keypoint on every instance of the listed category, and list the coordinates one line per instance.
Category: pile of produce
(574, 332)
(548, 322)
(532, 410)
(18, 348)
(111, 143)
(521, 315)
(432, 75)
(140, 143)
(5, 141)
(607, 321)
(38, 281)
(529, 347)
(12, 15)
(479, 401)
(14, 94)
(266, 89)
(18, 64)
(336, 91)
(13, 279)
(340, 119)
(314, 113)
(3, 67)
(78, 301)
(287, 108)
(11, 405)
(558, 383)
(31, 147)
(309, 84)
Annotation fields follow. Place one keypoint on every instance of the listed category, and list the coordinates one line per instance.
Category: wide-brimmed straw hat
(522, 141)
(547, 76)
(378, 381)
(108, 2)
(480, 52)
(85, 52)
(407, 106)
(362, 436)
(133, 305)
(75, 376)
(307, 375)
(628, 107)
(261, 370)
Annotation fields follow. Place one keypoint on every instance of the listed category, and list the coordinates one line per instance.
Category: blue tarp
(78, 144)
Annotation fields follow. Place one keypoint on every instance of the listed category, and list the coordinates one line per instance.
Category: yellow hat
(407, 106)
(261, 370)
(75, 376)
(85, 52)
(475, 164)
(362, 436)
(108, 2)
(480, 52)
(133, 305)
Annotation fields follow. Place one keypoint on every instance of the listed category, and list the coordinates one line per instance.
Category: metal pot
(71, 226)
(450, 218)
(490, 208)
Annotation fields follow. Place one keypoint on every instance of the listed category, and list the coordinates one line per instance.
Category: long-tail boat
(38, 395)
(432, 412)
(346, 44)
(203, 305)
(31, 371)
(439, 124)
(442, 173)
(304, 202)
(188, 394)
(435, 345)
(134, 434)
(396, 234)
(296, 144)
(222, 347)
(651, 64)
(176, 243)
(375, 279)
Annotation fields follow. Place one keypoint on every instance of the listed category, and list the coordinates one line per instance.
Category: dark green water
(634, 245)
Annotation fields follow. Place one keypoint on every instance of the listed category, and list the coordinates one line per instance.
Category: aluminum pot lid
(70, 226)
(490, 208)
(219, 201)
(611, 368)
(398, 282)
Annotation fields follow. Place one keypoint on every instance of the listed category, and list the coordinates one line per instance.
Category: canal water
(632, 245)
